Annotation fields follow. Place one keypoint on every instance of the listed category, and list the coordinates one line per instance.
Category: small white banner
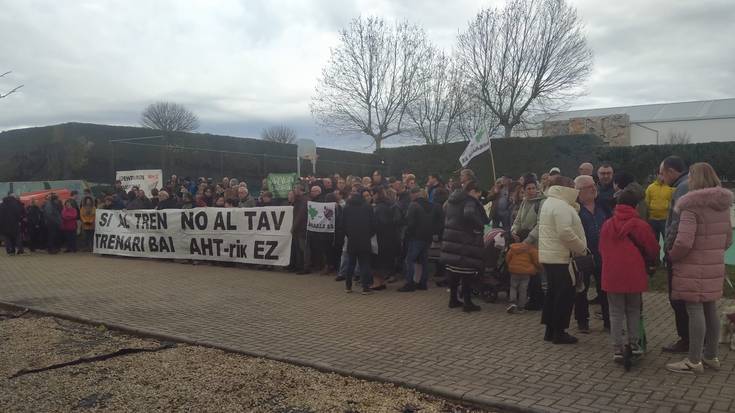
(321, 216)
(478, 145)
(145, 179)
(244, 235)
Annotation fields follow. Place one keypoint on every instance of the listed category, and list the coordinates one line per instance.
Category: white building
(692, 122)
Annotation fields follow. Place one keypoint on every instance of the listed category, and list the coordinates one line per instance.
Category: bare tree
(679, 138)
(441, 101)
(169, 117)
(475, 118)
(6, 94)
(371, 79)
(279, 134)
(531, 55)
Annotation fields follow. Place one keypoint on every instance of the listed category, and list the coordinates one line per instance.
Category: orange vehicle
(40, 196)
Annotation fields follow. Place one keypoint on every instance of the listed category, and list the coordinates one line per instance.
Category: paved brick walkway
(406, 338)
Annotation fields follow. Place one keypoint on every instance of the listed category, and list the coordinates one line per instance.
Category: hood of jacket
(622, 222)
(716, 198)
(568, 195)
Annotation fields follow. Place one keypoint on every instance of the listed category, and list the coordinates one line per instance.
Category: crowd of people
(563, 235)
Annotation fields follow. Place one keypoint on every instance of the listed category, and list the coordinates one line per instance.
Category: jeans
(681, 315)
(418, 253)
(14, 242)
(70, 238)
(519, 289)
(363, 260)
(659, 228)
(625, 314)
(88, 238)
(581, 305)
(559, 298)
(704, 330)
(303, 255)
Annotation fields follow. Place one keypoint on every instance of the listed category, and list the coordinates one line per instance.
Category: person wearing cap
(554, 171)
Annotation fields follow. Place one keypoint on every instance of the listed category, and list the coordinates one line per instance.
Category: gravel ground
(182, 378)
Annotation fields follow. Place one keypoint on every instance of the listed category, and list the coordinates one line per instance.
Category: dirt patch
(182, 378)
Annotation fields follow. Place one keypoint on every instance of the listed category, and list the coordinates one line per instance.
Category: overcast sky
(244, 65)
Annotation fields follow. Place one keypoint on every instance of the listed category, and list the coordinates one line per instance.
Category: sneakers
(511, 309)
(713, 364)
(680, 346)
(686, 367)
(564, 338)
(348, 290)
(618, 356)
(366, 291)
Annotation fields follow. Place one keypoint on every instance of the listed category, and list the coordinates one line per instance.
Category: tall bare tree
(441, 101)
(169, 117)
(475, 118)
(371, 78)
(6, 94)
(279, 134)
(531, 55)
(679, 138)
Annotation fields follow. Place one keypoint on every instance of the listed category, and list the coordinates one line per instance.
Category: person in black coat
(34, 217)
(358, 221)
(421, 221)
(388, 218)
(462, 251)
(11, 216)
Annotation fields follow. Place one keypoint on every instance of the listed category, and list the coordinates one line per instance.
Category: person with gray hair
(593, 213)
(586, 169)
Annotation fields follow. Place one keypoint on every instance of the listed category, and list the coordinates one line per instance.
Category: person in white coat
(561, 235)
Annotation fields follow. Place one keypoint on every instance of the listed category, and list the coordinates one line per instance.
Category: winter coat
(681, 187)
(359, 224)
(592, 224)
(387, 221)
(421, 221)
(35, 217)
(169, 203)
(248, 202)
(698, 252)
(522, 259)
(52, 214)
(527, 218)
(11, 215)
(299, 216)
(140, 203)
(628, 246)
(87, 216)
(69, 218)
(658, 200)
(560, 229)
(605, 194)
(464, 225)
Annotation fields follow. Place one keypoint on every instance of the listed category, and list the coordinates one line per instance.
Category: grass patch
(659, 282)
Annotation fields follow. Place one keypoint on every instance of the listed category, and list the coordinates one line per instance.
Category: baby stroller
(496, 278)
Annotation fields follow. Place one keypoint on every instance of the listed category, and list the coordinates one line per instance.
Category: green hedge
(84, 151)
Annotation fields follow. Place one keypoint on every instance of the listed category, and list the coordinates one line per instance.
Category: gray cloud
(245, 65)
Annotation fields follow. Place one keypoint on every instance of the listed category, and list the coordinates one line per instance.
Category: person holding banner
(359, 227)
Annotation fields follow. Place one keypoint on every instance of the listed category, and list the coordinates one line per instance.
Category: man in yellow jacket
(658, 199)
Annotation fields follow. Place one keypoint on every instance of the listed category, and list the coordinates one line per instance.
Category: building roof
(660, 112)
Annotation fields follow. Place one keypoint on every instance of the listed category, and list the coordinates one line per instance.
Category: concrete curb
(479, 401)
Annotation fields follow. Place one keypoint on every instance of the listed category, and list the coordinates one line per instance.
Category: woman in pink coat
(698, 260)
(69, 216)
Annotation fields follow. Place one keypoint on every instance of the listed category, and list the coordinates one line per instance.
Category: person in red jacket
(69, 216)
(628, 248)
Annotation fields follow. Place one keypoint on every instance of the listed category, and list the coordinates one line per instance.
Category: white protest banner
(478, 145)
(244, 235)
(321, 216)
(145, 179)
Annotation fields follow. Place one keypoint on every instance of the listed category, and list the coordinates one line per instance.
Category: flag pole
(492, 164)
